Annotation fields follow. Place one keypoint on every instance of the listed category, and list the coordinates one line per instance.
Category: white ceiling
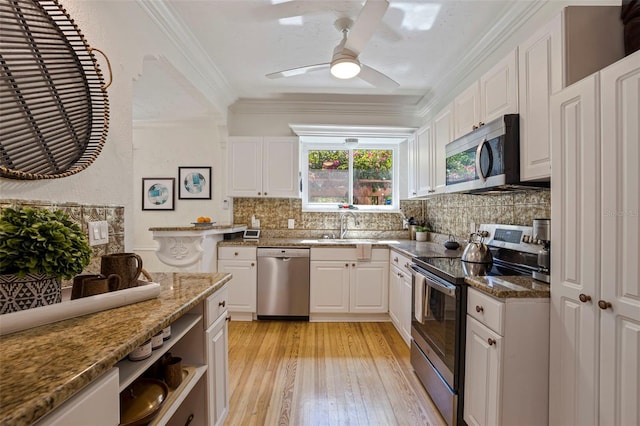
(418, 44)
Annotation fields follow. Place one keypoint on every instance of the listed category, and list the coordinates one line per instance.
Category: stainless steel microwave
(487, 159)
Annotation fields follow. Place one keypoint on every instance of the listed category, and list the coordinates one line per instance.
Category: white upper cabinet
(424, 155)
(499, 89)
(495, 94)
(412, 180)
(442, 135)
(467, 110)
(559, 54)
(264, 167)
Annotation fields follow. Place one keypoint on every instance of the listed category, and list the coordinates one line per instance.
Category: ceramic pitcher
(127, 266)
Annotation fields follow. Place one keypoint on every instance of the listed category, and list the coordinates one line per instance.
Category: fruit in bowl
(204, 219)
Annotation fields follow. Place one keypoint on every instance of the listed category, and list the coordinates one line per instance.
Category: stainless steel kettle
(477, 251)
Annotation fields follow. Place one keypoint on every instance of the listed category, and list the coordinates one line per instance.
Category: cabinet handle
(253, 264)
(346, 265)
(228, 318)
(479, 309)
(406, 265)
(259, 193)
(603, 304)
(491, 342)
(223, 303)
(265, 193)
(584, 298)
(395, 259)
(399, 275)
(480, 124)
(474, 127)
(430, 191)
(353, 264)
(235, 254)
(415, 193)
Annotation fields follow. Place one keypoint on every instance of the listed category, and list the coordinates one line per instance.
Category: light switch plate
(98, 233)
(291, 223)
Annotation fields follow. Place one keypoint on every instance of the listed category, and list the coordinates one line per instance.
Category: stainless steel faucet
(344, 221)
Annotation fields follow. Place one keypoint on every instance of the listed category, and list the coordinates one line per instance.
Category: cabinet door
(620, 282)
(424, 148)
(405, 312)
(575, 256)
(483, 372)
(442, 135)
(412, 168)
(218, 371)
(369, 287)
(395, 297)
(329, 292)
(243, 285)
(499, 89)
(466, 107)
(245, 166)
(539, 76)
(280, 177)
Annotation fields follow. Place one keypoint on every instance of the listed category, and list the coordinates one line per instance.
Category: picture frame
(158, 193)
(194, 183)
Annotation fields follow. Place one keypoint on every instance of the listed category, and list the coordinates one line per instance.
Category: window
(364, 176)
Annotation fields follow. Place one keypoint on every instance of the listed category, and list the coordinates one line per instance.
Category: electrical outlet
(291, 223)
(98, 233)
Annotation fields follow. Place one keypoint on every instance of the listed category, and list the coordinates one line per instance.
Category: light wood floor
(301, 373)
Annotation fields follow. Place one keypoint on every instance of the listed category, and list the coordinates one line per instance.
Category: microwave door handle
(479, 171)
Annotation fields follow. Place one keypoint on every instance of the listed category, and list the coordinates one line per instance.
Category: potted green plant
(38, 248)
(421, 233)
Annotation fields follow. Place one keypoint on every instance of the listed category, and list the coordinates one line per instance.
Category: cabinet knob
(353, 264)
(395, 259)
(479, 308)
(603, 304)
(480, 124)
(228, 318)
(259, 193)
(223, 303)
(474, 127)
(491, 341)
(431, 191)
(346, 265)
(235, 254)
(253, 264)
(399, 275)
(414, 193)
(406, 265)
(265, 193)
(584, 298)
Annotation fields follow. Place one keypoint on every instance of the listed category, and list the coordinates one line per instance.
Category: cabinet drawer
(486, 309)
(400, 261)
(216, 305)
(237, 253)
(347, 254)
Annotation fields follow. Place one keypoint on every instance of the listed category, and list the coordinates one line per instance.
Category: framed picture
(158, 193)
(194, 183)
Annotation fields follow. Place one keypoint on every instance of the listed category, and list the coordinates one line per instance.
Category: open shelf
(131, 370)
(191, 375)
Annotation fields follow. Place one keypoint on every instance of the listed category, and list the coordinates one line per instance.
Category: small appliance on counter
(542, 234)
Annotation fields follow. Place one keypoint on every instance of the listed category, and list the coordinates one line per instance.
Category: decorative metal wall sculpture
(54, 110)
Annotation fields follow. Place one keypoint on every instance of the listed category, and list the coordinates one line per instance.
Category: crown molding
(203, 72)
(270, 106)
(504, 28)
(352, 130)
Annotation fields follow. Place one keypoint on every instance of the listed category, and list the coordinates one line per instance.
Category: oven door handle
(448, 289)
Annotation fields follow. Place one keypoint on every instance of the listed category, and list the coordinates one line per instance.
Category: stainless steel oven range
(439, 304)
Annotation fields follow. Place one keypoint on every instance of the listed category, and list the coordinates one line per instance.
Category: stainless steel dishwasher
(283, 283)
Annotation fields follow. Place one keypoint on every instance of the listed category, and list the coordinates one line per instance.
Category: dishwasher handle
(282, 252)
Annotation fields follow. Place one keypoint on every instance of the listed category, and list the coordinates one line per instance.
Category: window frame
(305, 147)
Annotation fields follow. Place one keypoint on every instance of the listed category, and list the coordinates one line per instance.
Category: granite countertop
(231, 227)
(42, 367)
(407, 247)
(507, 287)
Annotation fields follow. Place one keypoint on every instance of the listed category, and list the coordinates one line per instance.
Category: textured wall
(82, 214)
(445, 214)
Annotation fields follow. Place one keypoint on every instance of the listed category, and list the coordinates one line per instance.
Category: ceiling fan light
(345, 68)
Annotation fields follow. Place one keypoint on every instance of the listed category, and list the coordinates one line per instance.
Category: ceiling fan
(355, 35)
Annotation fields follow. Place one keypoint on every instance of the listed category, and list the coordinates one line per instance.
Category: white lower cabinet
(506, 360)
(217, 336)
(340, 283)
(400, 294)
(97, 404)
(242, 264)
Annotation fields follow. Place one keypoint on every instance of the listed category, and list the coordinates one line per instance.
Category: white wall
(159, 150)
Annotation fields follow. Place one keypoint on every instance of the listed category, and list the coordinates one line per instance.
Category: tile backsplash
(445, 214)
(82, 214)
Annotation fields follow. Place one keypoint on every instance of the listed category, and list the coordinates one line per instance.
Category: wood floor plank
(335, 374)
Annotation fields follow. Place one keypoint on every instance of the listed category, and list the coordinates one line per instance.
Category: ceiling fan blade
(289, 9)
(376, 78)
(298, 71)
(366, 24)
